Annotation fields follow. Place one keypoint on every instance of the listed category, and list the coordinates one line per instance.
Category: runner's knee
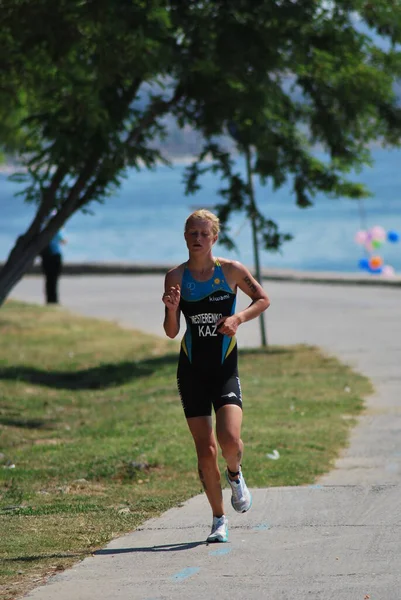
(230, 443)
(207, 453)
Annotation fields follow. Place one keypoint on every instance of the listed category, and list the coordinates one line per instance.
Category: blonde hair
(202, 213)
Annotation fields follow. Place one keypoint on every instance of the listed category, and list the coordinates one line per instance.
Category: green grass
(83, 403)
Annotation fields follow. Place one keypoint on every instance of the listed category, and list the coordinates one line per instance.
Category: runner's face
(199, 235)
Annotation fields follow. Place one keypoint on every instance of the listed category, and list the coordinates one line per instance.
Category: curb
(325, 277)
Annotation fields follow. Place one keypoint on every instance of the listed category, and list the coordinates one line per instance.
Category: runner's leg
(228, 430)
(209, 473)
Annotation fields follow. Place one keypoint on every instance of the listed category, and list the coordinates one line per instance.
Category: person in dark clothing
(52, 262)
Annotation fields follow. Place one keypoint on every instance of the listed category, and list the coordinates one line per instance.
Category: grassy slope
(90, 416)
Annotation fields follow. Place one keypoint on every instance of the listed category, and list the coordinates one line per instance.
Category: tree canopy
(86, 85)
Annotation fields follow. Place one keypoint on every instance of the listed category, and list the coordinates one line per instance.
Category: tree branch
(156, 110)
(47, 202)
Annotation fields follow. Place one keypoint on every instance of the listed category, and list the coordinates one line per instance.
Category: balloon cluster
(372, 240)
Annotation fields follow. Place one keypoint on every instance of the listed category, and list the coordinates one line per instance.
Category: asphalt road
(339, 539)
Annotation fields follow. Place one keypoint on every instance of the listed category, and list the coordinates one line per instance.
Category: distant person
(52, 264)
(204, 288)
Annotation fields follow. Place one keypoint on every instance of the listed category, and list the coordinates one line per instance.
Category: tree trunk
(14, 269)
(22, 257)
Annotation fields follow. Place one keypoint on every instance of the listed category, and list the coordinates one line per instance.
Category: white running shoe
(219, 531)
(241, 498)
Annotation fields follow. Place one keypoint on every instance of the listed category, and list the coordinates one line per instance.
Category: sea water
(143, 221)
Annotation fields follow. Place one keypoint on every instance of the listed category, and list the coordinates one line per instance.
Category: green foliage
(86, 87)
(81, 65)
(320, 78)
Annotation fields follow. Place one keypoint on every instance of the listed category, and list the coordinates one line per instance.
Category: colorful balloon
(378, 233)
(393, 236)
(371, 240)
(363, 264)
(388, 271)
(375, 262)
(361, 237)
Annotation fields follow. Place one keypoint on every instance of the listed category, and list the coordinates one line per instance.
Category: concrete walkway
(339, 539)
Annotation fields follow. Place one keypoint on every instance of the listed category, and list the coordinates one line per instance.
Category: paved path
(339, 539)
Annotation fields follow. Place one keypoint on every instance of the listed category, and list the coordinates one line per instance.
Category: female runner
(204, 290)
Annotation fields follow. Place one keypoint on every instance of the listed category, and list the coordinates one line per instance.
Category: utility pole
(255, 238)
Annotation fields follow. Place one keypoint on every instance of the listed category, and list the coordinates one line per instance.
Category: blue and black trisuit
(208, 365)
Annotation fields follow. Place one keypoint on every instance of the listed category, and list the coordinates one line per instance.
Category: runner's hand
(228, 325)
(171, 297)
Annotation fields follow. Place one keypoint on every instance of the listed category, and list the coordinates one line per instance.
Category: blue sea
(143, 221)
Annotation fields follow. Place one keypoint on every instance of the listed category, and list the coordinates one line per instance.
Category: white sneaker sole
(241, 510)
(217, 539)
(244, 510)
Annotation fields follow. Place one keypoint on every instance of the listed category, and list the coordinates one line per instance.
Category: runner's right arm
(171, 299)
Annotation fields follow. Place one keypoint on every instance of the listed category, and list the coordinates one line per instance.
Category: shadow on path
(162, 548)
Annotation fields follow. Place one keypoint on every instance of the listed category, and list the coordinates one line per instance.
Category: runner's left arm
(260, 300)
